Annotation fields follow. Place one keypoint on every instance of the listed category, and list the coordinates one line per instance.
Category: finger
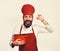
(18, 40)
(15, 42)
(39, 14)
(37, 18)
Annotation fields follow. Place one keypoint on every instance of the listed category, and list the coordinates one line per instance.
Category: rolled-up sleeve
(49, 28)
(45, 29)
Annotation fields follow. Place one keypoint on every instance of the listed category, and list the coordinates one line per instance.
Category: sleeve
(49, 28)
(46, 29)
(15, 31)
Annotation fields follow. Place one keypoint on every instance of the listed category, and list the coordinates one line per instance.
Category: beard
(27, 23)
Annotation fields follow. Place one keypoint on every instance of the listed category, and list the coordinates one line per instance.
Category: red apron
(31, 44)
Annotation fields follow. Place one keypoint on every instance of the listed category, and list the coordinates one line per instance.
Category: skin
(29, 17)
(41, 18)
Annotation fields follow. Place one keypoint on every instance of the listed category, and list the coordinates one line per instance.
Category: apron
(31, 44)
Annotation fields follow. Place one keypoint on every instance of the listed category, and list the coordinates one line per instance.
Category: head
(27, 20)
(27, 11)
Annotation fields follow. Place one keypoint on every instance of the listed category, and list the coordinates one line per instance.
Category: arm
(16, 42)
(47, 26)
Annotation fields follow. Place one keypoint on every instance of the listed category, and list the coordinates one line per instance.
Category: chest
(26, 30)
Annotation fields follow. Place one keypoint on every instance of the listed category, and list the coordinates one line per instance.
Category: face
(27, 20)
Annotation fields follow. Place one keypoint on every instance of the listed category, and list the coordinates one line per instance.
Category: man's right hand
(18, 42)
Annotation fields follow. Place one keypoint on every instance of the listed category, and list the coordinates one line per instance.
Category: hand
(18, 42)
(40, 17)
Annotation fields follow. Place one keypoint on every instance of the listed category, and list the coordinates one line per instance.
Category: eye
(30, 16)
(25, 16)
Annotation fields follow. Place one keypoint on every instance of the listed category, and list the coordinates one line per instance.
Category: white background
(10, 16)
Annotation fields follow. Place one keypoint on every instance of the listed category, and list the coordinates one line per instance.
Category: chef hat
(28, 9)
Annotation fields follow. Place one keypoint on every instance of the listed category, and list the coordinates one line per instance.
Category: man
(30, 30)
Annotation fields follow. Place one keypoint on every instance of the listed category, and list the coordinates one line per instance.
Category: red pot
(21, 37)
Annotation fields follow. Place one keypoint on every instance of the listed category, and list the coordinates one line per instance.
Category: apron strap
(20, 29)
(32, 29)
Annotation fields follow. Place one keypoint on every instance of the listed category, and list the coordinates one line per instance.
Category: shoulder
(17, 28)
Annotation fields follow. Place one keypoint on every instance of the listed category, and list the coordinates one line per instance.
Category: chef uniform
(31, 32)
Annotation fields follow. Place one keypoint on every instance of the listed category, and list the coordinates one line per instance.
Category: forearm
(47, 26)
(44, 22)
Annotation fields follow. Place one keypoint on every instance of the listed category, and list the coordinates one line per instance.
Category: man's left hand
(40, 17)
